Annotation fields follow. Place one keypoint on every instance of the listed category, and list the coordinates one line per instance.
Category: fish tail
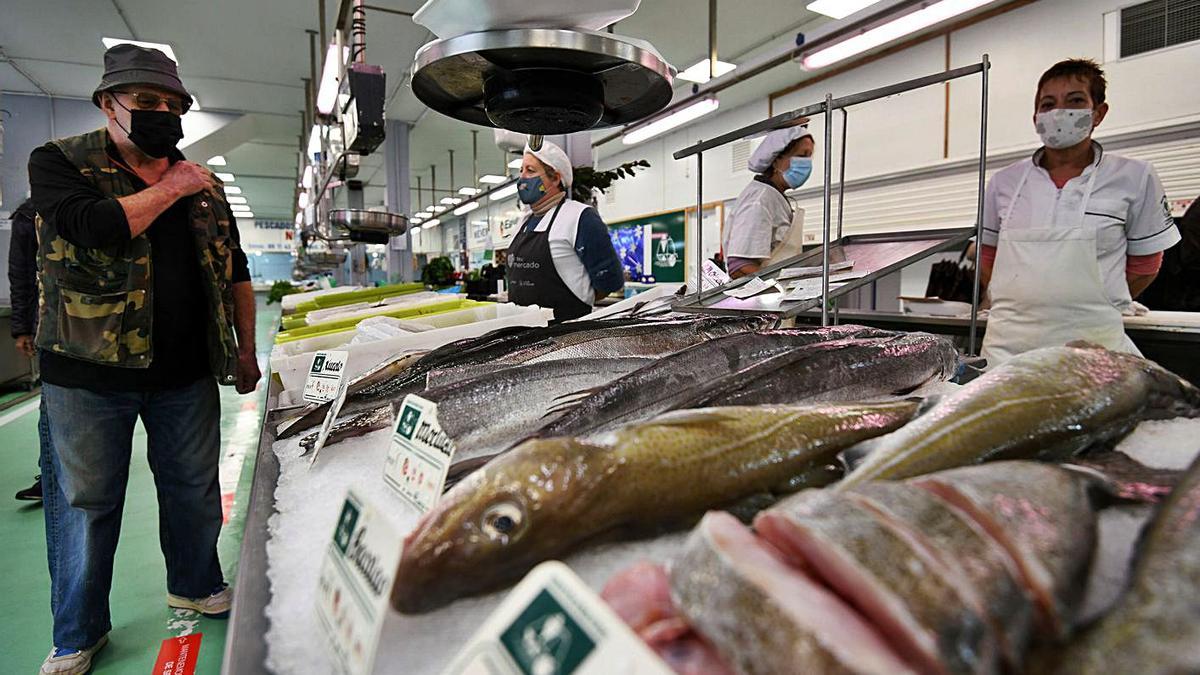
(1117, 478)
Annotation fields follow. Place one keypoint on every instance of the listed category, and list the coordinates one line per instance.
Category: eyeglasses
(145, 100)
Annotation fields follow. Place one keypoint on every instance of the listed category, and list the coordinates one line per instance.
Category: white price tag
(419, 456)
(750, 288)
(325, 376)
(355, 583)
(713, 276)
(553, 623)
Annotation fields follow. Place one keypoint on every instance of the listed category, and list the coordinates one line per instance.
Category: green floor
(141, 619)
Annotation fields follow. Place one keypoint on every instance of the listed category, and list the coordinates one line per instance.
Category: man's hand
(188, 178)
(248, 373)
(25, 345)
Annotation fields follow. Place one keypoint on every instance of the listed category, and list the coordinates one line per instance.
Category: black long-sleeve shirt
(22, 270)
(85, 217)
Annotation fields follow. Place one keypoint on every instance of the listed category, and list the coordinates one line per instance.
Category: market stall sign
(177, 655)
(355, 582)
(651, 247)
(553, 623)
(325, 376)
(420, 455)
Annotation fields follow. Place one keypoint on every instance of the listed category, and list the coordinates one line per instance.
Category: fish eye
(501, 520)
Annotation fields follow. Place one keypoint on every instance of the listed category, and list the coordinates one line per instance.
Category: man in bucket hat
(145, 306)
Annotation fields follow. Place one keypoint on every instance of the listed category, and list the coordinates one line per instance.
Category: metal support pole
(474, 157)
(321, 22)
(712, 39)
(419, 205)
(828, 203)
(313, 64)
(451, 172)
(983, 120)
(699, 225)
(842, 175)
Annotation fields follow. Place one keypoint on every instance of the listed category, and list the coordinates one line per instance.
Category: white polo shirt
(758, 222)
(1128, 207)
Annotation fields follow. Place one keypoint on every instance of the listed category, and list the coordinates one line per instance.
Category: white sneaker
(215, 606)
(73, 663)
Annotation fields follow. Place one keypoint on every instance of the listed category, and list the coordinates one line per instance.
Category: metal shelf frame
(827, 108)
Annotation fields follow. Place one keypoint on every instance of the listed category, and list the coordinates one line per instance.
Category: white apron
(1047, 290)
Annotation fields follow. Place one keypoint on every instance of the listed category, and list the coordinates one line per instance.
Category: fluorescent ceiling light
(225, 177)
(466, 208)
(435, 221)
(217, 160)
(503, 193)
(450, 201)
(699, 72)
(327, 92)
(302, 202)
(236, 200)
(516, 163)
(415, 229)
(892, 30)
(838, 9)
(682, 116)
(314, 141)
(109, 43)
(233, 190)
(469, 191)
(492, 179)
(437, 209)
(239, 207)
(306, 180)
(244, 214)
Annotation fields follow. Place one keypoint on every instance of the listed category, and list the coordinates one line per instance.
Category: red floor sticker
(177, 656)
(226, 506)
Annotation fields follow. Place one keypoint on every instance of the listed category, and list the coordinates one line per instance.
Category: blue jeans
(86, 442)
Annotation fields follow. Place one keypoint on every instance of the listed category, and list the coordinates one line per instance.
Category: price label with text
(325, 376)
(355, 581)
(420, 454)
(552, 622)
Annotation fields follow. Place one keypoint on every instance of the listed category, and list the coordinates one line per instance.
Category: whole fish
(648, 340)
(842, 370)
(471, 358)
(1049, 402)
(767, 617)
(358, 424)
(1155, 626)
(396, 378)
(485, 415)
(547, 497)
(673, 379)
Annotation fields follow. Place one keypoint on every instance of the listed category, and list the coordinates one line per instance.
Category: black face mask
(154, 132)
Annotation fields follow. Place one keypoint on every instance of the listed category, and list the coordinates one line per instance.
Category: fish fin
(1120, 478)
(568, 402)
(853, 457)
(1084, 344)
(693, 415)
(924, 403)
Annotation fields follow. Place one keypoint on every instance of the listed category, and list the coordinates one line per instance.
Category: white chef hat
(775, 143)
(554, 157)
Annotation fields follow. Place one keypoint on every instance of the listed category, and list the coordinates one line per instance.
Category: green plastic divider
(400, 313)
(351, 297)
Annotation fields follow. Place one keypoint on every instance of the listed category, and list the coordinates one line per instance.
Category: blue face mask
(530, 190)
(798, 171)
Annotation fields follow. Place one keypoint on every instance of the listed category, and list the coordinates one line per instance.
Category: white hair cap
(775, 143)
(554, 157)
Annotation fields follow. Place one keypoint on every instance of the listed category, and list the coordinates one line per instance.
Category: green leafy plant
(438, 272)
(587, 177)
(280, 289)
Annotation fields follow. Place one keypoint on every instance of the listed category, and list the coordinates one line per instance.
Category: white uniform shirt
(563, 233)
(1128, 207)
(758, 222)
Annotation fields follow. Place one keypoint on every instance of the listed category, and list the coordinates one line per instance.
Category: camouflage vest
(96, 303)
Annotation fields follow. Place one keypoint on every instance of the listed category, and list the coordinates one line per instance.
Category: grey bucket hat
(126, 64)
